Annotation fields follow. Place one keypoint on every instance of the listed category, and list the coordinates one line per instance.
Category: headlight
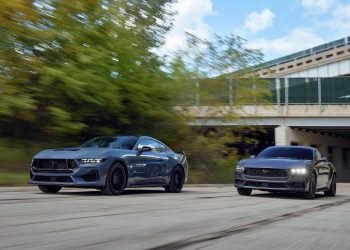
(240, 168)
(298, 170)
(91, 160)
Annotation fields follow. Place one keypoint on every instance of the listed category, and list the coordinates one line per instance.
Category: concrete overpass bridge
(309, 103)
(326, 127)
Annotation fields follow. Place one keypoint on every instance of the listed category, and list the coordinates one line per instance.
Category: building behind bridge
(310, 102)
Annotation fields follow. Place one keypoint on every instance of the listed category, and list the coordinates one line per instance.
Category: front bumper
(291, 183)
(89, 175)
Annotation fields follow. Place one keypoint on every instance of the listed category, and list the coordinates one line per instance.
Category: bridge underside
(332, 142)
(330, 134)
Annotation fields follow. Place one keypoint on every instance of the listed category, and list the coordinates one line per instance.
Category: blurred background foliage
(74, 69)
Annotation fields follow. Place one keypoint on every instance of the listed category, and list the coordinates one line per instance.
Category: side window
(156, 147)
(148, 143)
(160, 147)
(318, 155)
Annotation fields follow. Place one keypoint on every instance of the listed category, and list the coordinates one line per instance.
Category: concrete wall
(328, 70)
(340, 148)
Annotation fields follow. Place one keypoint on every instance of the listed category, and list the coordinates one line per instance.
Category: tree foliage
(219, 67)
(74, 69)
(205, 69)
(78, 67)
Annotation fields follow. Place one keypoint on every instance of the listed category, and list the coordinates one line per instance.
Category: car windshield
(287, 152)
(116, 142)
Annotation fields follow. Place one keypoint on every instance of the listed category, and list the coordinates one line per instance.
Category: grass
(13, 178)
(15, 158)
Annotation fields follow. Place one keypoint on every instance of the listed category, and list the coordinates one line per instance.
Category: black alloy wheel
(333, 187)
(176, 182)
(116, 180)
(311, 194)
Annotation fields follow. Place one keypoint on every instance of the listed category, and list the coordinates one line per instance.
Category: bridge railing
(280, 91)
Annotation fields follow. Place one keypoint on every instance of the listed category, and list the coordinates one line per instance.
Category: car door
(148, 166)
(329, 172)
(160, 174)
(323, 170)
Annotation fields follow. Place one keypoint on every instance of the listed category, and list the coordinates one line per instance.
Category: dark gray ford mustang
(110, 163)
(288, 169)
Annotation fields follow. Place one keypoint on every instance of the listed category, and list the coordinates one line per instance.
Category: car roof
(149, 137)
(154, 139)
(117, 136)
(137, 136)
(290, 146)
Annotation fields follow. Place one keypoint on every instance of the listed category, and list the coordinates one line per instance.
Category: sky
(277, 27)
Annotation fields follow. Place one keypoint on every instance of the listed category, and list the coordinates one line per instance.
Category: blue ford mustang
(287, 169)
(110, 163)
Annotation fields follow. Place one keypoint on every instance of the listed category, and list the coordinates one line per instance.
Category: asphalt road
(206, 217)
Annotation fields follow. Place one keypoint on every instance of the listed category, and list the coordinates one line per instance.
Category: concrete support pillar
(323, 150)
(282, 136)
(338, 157)
(347, 157)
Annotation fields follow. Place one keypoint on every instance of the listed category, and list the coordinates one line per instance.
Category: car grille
(54, 165)
(266, 172)
(53, 178)
(265, 184)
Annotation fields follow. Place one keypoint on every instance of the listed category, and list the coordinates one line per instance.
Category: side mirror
(252, 156)
(144, 149)
(323, 159)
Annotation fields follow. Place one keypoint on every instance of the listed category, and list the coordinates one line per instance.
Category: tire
(49, 189)
(167, 189)
(176, 182)
(311, 194)
(333, 187)
(115, 180)
(244, 191)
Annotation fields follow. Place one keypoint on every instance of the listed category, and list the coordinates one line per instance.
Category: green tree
(77, 67)
(204, 69)
(74, 69)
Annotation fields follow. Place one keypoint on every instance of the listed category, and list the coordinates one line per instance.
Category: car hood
(279, 163)
(74, 153)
